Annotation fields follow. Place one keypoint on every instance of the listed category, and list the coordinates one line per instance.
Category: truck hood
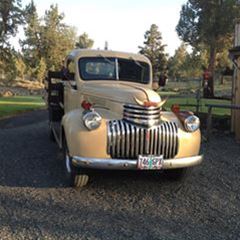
(106, 93)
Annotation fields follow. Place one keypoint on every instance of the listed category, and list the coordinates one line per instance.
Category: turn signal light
(175, 108)
(86, 105)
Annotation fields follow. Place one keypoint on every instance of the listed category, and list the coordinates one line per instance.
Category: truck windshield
(102, 68)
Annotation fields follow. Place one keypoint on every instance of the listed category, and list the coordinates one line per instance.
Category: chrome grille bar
(171, 139)
(118, 134)
(144, 116)
(126, 140)
(142, 140)
(132, 140)
(122, 138)
(167, 140)
(137, 140)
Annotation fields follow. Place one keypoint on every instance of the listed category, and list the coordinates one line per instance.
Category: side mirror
(71, 76)
(68, 76)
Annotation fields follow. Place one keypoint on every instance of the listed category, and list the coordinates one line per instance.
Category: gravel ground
(36, 203)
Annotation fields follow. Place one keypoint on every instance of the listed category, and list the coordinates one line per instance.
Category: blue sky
(122, 23)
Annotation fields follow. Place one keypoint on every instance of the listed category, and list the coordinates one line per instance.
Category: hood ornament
(150, 103)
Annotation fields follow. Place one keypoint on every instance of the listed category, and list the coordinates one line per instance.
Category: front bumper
(127, 164)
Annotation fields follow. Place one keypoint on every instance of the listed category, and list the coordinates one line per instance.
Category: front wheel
(77, 177)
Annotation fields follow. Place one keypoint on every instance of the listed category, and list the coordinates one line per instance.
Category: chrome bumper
(126, 164)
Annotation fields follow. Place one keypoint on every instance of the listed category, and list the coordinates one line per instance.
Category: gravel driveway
(35, 202)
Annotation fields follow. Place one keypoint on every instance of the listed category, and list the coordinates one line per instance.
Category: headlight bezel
(92, 120)
(192, 123)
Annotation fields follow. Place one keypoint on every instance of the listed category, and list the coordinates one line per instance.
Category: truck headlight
(92, 120)
(192, 123)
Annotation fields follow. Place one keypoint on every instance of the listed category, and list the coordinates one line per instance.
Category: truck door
(70, 88)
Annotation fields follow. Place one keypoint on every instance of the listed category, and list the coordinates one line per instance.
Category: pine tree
(176, 63)
(32, 44)
(84, 41)
(57, 38)
(10, 69)
(11, 16)
(20, 67)
(41, 70)
(154, 50)
(46, 43)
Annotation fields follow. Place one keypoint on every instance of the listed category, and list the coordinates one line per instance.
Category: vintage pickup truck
(104, 114)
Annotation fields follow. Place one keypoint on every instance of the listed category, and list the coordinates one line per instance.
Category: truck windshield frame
(110, 68)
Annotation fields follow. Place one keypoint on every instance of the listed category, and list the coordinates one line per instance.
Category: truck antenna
(106, 45)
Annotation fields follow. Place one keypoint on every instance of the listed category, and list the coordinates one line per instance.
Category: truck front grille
(144, 116)
(128, 141)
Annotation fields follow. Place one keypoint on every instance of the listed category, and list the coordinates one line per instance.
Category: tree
(154, 50)
(209, 23)
(20, 67)
(11, 16)
(32, 47)
(9, 68)
(223, 61)
(195, 62)
(41, 70)
(84, 41)
(176, 63)
(46, 43)
(57, 38)
(186, 64)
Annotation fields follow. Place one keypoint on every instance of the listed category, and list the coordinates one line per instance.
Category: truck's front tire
(77, 177)
(80, 180)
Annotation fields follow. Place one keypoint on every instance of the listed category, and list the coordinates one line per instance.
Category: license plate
(150, 162)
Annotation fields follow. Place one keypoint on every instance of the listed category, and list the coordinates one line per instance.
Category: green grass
(190, 87)
(168, 93)
(203, 109)
(13, 105)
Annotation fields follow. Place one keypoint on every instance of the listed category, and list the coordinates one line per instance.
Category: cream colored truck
(104, 114)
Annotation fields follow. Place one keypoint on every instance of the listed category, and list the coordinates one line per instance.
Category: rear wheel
(77, 177)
